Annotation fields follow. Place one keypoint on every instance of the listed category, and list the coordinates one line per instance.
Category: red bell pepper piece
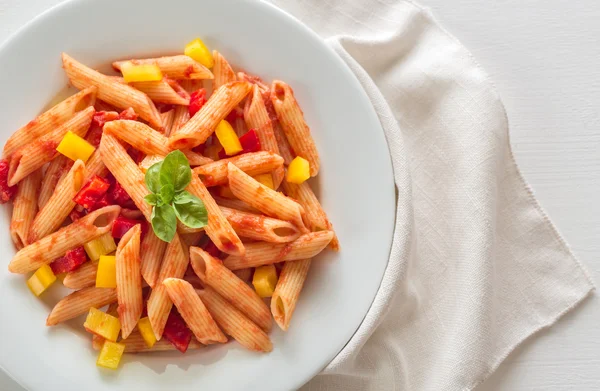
(92, 192)
(128, 114)
(197, 100)
(6, 192)
(122, 224)
(94, 134)
(249, 141)
(71, 261)
(177, 332)
(117, 195)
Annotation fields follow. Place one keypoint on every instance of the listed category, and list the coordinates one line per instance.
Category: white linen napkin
(476, 266)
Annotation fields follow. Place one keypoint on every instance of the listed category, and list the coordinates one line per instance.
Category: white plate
(356, 187)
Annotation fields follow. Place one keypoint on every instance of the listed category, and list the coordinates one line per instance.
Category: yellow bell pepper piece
(41, 280)
(145, 329)
(106, 277)
(266, 180)
(103, 245)
(74, 147)
(265, 280)
(228, 139)
(110, 355)
(199, 52)
(102, 324)
(298, 170)
(144, 72)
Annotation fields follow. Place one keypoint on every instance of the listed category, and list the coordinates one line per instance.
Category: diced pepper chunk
(98, 247)
(197, 100)
(228, 139)
(41, 280)
(117, 195)
(106, 277)
(122, 224)
(145, 329)
(7, 193)
(71, 261)
(177, 332)
(249, 142)
(265, 280)
(265, 179)
(142, 72)
(298, 170)
(102, 324)
(92, 192)
(75, 148)
(110, 355)
(199, 52)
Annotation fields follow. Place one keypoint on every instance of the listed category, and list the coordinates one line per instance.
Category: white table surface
(545, 59)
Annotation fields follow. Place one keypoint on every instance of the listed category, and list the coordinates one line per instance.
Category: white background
(544, 56)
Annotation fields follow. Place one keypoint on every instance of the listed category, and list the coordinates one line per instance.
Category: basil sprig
(167, 181)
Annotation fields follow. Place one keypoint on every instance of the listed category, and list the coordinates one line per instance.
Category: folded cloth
(476, 266)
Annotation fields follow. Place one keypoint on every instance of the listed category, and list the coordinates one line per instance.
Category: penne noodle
(126, 172)
(292, 121)
(135, 344)
(175, 263)
(167, 120)
(129, 280)
(260, 227)
(50, 120)
(252, 163)
(24, 209)
(211, 272)
(111, 90)
(222, 71)
(34, 155)
(55, 245)
(314, 214)
(204, 122)
(266, 200)
(261, 253)
(234, 323)
(166, 91)
(288, 288)
(56, 169)
(101, 105)
(80, 302)
(95, 165)
(175, 67)
(60, 204)
(218, 229)
(235, 204)
(192, 238)
(285, 150)
(82, 277)
(194, 159)
(152, 252)
(243, 76)
(257, 118)
(180, 117)
(193, 311)
(140, 136)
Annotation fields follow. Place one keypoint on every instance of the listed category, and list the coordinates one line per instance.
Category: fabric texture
(476, 266)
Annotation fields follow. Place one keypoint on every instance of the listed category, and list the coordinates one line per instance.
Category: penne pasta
(192, 238)
(129, 280)
(50, 120)
(261, 253)
(222, 71)
(315, 216)
(82, 277)
(211, 272)
(34, 155)
(111, 90)
(175, 67)
(95, 165)
(166, 91)
(253, 163)
(135, 344)
(167, 120)
(264, 199)
(60, 204)
(243, 76)
(55, 245)
(138, 135)
(218, 229)
(204, 122)
(234, 323)
(101, 105)
(194, 159)
(80, 302)
(126, 172)
(288, 288)
(285, 150)
(260, 227)
(193, 311)
(56, 169)
(292, 121)
(235, 204)
(175, 263)
(152, 252)
(181, 115)
(24, 209)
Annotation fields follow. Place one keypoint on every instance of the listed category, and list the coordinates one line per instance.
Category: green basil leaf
(166, 194)
(164, 222)
(176, 171)
(192, 213)
(153, 199)
(184, 197)
(152, 177)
